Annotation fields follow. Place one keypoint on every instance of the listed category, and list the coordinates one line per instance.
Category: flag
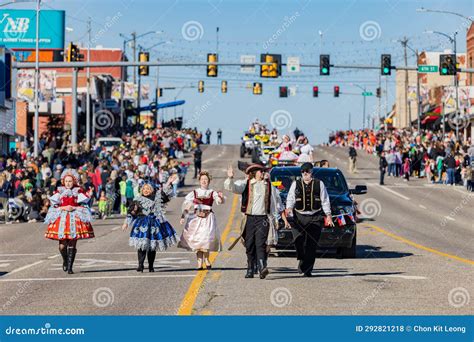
(340, 220)
(351, 217)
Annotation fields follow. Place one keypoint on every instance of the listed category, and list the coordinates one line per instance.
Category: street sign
(18, 29)
(427, 68)
(293, 64)
(247, 59)
(367, 93)
(292, 90)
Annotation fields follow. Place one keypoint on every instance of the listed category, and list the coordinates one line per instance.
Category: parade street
(414, 257)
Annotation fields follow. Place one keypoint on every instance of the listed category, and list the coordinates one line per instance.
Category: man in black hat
(261, 204)
(308, 200)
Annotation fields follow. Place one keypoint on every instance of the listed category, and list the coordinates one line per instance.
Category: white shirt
(325, 203)
(258, 203)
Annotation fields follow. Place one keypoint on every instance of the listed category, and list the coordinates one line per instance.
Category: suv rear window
(333, 179)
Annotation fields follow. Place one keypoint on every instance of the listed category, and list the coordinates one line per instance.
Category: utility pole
(404, 43)
(88, 76)
(139, 90)
(379, 99)
(363, 120)
(36, 122)
(418, 94)
(349, 120)
(74, 109)
(134, 47)
(456, 85)
(217, 39)
(156, 94)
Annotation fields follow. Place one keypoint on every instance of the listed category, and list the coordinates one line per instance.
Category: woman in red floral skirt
(69, 217)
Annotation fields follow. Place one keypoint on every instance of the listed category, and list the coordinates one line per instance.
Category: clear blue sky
(246, 27)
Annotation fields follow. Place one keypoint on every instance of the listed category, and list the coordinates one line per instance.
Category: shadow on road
(374, 252)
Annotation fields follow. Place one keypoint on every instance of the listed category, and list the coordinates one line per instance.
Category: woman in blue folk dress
(150, 230)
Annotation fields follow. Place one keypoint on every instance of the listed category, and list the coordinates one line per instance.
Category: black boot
(262, 268)
(151, 260)
(71, 255)
(141, 260)
(250, 269)
(255, 266)
(64, 255)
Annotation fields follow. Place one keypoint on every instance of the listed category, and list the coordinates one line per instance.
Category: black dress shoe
(308, 275)
(262, 268)
(249, 273)
(300, 265)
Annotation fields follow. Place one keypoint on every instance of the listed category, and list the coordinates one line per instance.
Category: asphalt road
(415, 257)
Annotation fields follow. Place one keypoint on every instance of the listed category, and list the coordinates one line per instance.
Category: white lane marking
(5, 265)
(134, 253)
(53, 256)
(115, 228)
(422, 206)
(25, 267)
(404, 276)
(449, 218)
(7, 255)
(391, 191)
(7, 260)
(104, 277)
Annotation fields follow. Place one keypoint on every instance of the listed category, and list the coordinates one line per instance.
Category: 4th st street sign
(427, 68)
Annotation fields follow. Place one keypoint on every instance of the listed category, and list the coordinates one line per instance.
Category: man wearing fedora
(308, 200)
(261, 205)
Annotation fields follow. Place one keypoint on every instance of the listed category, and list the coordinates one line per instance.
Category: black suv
(342, 236)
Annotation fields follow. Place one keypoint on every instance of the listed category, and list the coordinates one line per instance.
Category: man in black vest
(260, 204)
(308, 200)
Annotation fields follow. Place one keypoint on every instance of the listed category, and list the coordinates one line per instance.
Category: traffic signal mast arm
(31, 65)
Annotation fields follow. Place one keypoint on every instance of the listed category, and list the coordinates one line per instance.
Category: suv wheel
(242, 151)
(349, 252)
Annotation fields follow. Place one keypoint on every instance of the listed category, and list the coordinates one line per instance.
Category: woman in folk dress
(200, 233)
(69, 217)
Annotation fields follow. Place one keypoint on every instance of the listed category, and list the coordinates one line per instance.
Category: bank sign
(18, 29)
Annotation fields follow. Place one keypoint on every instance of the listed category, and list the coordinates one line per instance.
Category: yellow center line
(190, 297)
(416, 245)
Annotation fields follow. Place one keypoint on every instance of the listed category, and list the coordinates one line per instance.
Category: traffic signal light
(201, 86)
(386, 65)
(142, 69)
(257, 88)
(273, 69)
(315, 91)
(336, 91)
(379, 92)
(283, 91)
(212, 69)
(324, 65)
(447, 65)
(159, 92)
(224, 87)
(73, 54)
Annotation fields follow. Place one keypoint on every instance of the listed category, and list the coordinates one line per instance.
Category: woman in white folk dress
(200, 233)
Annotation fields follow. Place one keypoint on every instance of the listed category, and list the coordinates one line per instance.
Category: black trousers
(197, 168)
(256, 234)
(306, 235)
(382, 175)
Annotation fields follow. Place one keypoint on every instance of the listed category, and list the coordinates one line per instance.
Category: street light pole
(36, 123)
(88, 75)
